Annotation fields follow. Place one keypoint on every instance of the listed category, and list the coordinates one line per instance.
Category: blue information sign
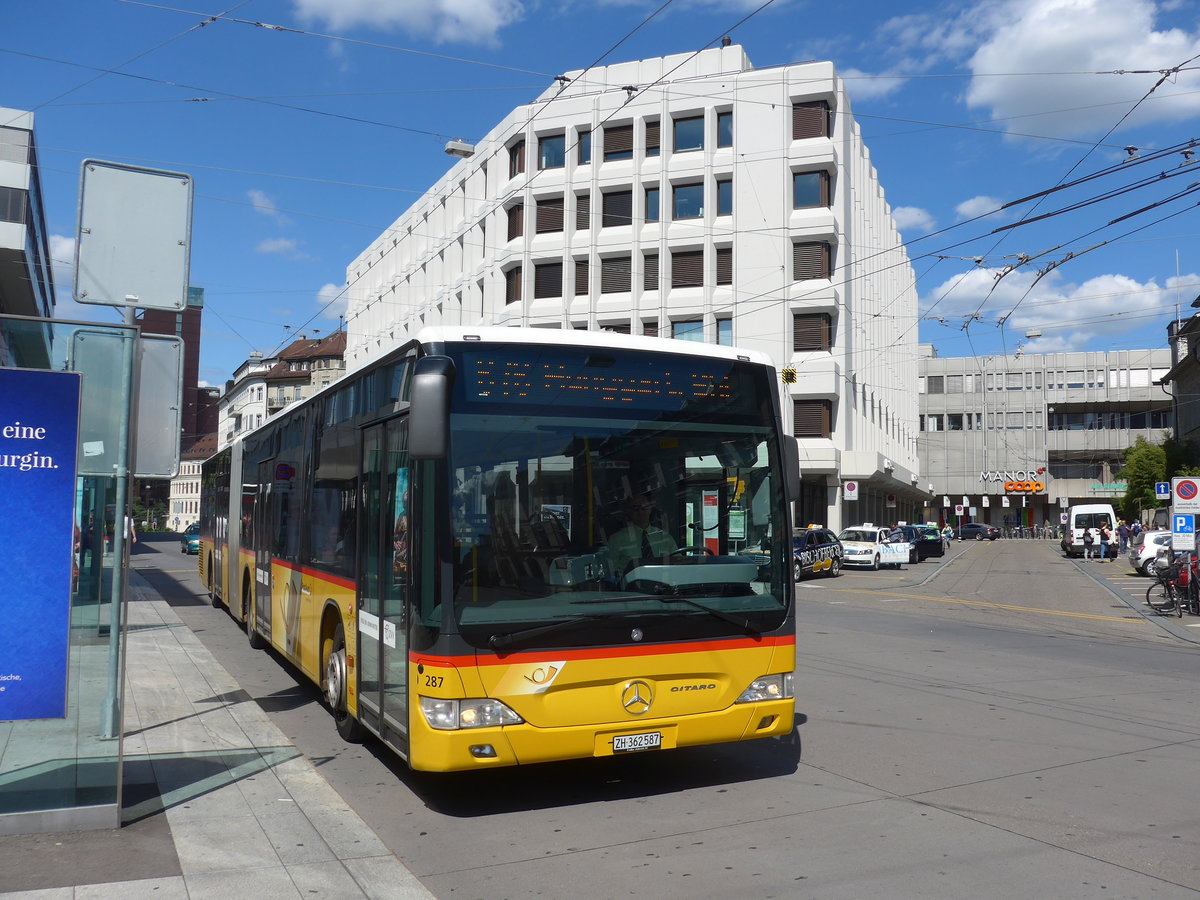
(39, 433)
(1162, 490)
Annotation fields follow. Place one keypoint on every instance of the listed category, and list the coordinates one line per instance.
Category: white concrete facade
(1062, 420)
(753, 179)
(183, 505)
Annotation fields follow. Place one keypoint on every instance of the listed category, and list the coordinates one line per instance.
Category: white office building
(692, 197)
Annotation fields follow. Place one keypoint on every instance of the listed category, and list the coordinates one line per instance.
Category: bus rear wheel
(257, 641)
(334, 679)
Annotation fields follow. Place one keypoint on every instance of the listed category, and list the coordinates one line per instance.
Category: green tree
(1145, 464)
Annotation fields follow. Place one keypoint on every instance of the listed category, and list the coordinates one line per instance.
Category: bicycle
(1166, 595)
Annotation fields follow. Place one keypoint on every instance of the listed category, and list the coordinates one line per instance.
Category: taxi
(867, 545)
(816, 551)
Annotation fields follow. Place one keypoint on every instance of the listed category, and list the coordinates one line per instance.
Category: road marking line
(1047, 612)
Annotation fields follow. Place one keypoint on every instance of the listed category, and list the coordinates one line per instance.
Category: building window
(689, 134)
(688, 330)
(653, 138)
(688, 201)
(811, 259)
(516, 221)
(1075, 379)
(583, 212)
(687, 269)
(811, 331)
(547, 280)
(724, 197)
(651, 204)
(14, 145)
(724, 265)
(549, 215)
(650, 272)
(650, 329)
(583, 149)
(810, 189)
(725, 129)
(618, 142)
(935, 384)
(512, 285)
(725, 332)
(954, 421)
(552, 152)
(516, 159)
(812, 418)
(617, 209)
(810, 120)
(616, 275)
(954, 384)
(12, 204)
(581, 277)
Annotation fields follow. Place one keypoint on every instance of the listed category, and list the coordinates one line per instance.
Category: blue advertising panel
(39, 433)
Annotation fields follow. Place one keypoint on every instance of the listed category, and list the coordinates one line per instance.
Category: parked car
(1144, 549)
(868, 545)
(189, 541)
(816, 550)
(926, 541)
(977, 531)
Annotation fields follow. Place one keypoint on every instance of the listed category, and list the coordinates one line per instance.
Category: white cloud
(1070, 315)
(281, 246)
(461, 21)
(331, 299)
(865, 86)
(62, 261)
(979, 206)
(1041, 36)
(913, 219)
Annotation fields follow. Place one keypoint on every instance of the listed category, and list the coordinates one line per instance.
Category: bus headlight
(451, 715)
(768, 687)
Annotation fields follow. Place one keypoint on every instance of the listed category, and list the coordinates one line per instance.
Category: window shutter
(810, 120)
(618, 139)
(618, 208)
(650, 329)
(810, 331)
(650, 272)
(547, 280)
(512, 285)
(549, 215)
(618, 329)
(724, 265)
(810, 260)
(583, 212)
(516, 221)
(811, 418)
(615, 275)
(653, 131)
(581, 277)
(687, 269)
(516, 159)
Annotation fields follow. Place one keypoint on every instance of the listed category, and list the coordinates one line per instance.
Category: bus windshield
(593, 493)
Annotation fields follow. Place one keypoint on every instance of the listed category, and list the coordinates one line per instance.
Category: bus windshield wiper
(500, 641)
(744, 624)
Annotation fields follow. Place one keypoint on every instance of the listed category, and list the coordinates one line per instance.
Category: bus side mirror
(429, 412)
(791, 468)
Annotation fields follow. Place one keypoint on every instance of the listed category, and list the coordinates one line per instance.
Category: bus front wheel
(333, 686)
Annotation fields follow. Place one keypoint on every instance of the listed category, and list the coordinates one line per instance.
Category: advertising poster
(39, 433)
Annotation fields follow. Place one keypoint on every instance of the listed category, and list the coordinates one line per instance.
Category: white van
(1089, 515)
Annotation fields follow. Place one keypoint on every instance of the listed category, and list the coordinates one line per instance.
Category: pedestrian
(1088, 541)
(1136, 529)
(947, 535)
(1105, 537)
(1122, 537)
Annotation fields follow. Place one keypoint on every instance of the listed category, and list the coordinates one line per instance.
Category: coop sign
(1020, 481)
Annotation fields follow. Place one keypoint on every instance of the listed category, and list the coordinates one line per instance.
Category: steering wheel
(694, 550)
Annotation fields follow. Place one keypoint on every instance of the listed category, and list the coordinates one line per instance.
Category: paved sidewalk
(218, 802)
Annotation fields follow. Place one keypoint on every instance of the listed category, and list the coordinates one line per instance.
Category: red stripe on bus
(487, 658)
(346, 583)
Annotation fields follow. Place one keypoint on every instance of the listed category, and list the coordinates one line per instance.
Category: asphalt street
(1001, 722)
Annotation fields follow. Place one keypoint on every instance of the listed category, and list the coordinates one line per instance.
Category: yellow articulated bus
(499, 546)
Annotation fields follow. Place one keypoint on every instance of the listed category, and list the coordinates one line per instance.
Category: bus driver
(639, 541)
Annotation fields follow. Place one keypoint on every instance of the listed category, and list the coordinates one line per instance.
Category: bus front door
(383, 625)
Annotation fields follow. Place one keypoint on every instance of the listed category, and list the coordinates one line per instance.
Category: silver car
(1144, 550)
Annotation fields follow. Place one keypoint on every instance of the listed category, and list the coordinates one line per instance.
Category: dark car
(976, 531)
(926, 541)
(816, 551)
(189, 541)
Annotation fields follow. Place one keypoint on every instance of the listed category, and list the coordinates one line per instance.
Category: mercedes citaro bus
(428, 540)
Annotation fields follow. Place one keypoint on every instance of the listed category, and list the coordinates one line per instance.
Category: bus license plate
(626, 743)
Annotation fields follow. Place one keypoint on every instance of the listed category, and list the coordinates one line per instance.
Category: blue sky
(305, 142)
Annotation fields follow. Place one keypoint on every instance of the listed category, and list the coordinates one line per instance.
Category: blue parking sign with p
(1184, 524)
